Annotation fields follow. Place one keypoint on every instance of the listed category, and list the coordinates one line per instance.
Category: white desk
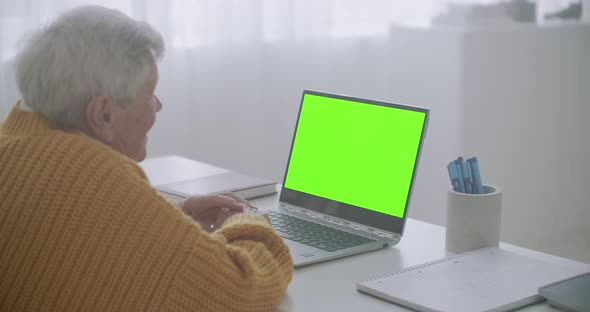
(330, 286)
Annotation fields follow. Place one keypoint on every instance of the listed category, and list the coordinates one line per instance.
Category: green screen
(356, 153)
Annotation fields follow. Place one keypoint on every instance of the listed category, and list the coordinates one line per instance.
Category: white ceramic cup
(473, 220)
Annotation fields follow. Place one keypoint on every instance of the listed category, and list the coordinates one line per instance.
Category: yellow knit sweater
(81, 229)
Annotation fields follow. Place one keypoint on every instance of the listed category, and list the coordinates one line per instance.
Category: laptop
(349, 176)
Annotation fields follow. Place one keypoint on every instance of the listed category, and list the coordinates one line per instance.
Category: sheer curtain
(190, 24)
(187, 23)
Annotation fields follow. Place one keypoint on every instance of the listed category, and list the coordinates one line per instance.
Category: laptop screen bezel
(345, 211)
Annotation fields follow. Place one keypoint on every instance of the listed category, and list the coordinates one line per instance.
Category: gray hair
(85, 52)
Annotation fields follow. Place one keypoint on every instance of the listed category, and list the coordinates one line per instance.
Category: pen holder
(473, 220)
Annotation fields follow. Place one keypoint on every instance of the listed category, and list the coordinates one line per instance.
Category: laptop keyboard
(314, 234)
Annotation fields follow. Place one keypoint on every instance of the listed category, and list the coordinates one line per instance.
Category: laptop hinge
(341, 222)
(382, 234)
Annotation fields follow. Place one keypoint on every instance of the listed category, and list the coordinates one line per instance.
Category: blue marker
(467, 177)
(454, 175)
(458, 165)
(477, 183)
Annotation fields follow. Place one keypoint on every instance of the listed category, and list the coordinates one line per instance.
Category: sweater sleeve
(243, 266)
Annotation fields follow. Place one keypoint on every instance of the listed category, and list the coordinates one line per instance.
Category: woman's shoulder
(88, 152)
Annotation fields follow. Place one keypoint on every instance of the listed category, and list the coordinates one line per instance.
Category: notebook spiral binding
(427, 264)
(566, 280)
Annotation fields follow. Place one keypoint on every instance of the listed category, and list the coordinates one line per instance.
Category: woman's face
(134, 120)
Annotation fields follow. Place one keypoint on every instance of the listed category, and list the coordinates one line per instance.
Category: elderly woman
(80, 226)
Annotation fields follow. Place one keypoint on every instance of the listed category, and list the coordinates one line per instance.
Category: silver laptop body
(305, 254)
(351, 229)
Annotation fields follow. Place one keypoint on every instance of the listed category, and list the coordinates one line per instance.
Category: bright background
(515, 95)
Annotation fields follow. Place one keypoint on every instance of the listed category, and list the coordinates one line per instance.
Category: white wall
(527, 105)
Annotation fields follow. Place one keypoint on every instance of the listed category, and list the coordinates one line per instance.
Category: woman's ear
(98, 117)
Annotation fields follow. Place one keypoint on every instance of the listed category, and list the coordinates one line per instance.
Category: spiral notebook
(488, 279)
(570, 294)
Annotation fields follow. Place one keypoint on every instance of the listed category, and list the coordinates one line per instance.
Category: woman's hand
(212, 210)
